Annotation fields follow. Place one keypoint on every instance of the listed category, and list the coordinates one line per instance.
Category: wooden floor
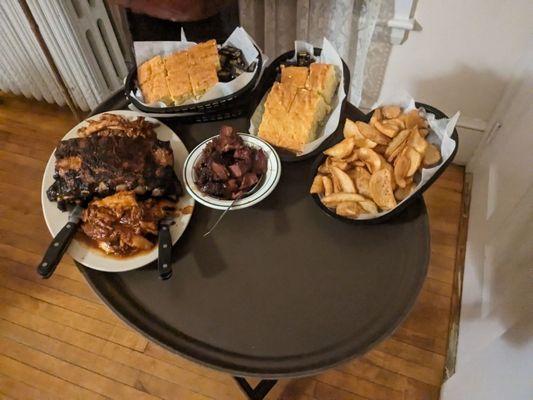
(58, 340)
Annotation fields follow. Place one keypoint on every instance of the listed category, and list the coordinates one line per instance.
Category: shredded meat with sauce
(122, 225)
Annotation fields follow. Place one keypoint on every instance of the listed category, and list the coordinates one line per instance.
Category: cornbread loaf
(296, 107)
(180, 76)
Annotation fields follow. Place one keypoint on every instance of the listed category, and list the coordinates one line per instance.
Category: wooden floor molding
(59, 341)
(455, 310)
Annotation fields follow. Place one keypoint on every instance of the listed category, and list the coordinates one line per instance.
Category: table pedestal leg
(257, 393)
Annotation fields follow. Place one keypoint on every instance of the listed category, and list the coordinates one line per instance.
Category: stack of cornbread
(176, 78)
(296, 106)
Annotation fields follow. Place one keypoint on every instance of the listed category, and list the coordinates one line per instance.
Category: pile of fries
(374, 166)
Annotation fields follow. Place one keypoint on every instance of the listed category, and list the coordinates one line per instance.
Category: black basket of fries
(375, 170)
(273, 75)
(177, 83)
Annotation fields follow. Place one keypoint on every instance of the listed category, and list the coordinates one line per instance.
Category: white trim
(401, 22)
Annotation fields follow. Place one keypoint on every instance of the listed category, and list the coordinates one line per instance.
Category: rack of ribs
(101, 165)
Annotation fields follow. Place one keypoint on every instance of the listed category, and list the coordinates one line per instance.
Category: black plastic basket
(272, 74)
(400, 208)
(209, 106)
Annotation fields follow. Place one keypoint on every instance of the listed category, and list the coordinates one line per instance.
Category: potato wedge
(328, 185)
(370, 158)
(386, 165)
(324, 167)
(431, 156)
(413, 118)
(318, 185)
(380, 186)
(376, 116)
(423, 132)
(415, 160)
(369, 207)
(336, 184)
(391, 111)
(359, 163)
(396, 142)
(395, 122)
(351, 130)
(371, 133)
(386, 129)
(417, 141)
(341, 149)
(352, 157)
(402, 193)
(344, 180)
(350, 209)
(362, 179)
(401, 168)
(341, 164)
(334, 199)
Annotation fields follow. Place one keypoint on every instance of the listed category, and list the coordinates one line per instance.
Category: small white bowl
(270, 180)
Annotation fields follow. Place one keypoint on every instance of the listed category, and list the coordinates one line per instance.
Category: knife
(164, 261)
(60, 244)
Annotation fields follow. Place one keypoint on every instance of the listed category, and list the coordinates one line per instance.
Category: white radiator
(81, 40)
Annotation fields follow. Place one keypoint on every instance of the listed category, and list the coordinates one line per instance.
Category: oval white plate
(94, 258)
(269, 183)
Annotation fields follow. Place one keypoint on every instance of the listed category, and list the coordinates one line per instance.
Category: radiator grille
(81, 40)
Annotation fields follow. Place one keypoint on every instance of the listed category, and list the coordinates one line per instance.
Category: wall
(462, 58)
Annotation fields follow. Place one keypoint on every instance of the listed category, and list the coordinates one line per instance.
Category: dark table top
(279, 289)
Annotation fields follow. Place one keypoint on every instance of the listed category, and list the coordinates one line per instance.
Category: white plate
(270, 181)
(94, 258)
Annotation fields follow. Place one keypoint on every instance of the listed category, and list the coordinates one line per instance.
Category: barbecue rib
(99, 165)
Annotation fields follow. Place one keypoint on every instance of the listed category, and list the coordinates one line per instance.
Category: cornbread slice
(204, 53)
(180, 87)
(322, 79)
(144, 72)
(296, 76)
(176, 62)
(177, 77)
(309, 105)
(202, 79)
(280, 97)
(273, 127)
(153, 82)
(307, 111)
(157, 89)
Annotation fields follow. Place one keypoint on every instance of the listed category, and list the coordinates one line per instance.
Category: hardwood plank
(404, 367)
(21, 390)
(71, 354)
(53, 296)
(69, 372)
(358, 386)
(324, 391)
(61, 389)
(58, 315)
(66, 268)
(66, 285)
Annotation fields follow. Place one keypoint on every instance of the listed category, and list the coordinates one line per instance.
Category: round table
(279, 289)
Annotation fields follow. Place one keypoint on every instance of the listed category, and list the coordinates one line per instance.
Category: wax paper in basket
(239, 38)
(329, 55)
(440, 135)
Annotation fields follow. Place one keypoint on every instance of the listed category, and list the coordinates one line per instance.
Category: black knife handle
(164, 262)
(56, 250)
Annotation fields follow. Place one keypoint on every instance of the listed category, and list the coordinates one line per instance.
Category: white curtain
(351, 25)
